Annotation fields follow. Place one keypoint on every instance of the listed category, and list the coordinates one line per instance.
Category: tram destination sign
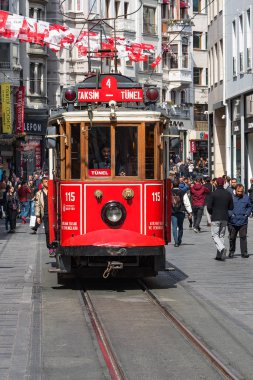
(109, 91)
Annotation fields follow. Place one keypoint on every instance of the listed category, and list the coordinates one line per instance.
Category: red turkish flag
(156, 61)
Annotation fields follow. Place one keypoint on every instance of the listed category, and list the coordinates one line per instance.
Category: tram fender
(113, 238)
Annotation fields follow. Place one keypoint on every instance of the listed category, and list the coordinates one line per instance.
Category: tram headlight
(113, 213)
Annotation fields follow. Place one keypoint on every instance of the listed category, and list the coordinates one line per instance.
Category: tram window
(75, 151)
(100, 149)
(150, 143)
(126, 151)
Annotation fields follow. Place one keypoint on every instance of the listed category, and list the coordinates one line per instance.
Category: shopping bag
(32, 221)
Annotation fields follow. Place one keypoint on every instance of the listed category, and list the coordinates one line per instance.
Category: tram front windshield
(125, 148)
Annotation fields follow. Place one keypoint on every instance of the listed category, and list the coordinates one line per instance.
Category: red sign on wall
(20, 109)
(193, 146)
(110, 91)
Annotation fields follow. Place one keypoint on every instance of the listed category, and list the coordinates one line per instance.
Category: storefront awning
(183, 4)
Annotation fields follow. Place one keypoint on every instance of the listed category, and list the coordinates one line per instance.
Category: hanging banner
(20, 108)
(25, 29)
(6, 107)
(193, 146)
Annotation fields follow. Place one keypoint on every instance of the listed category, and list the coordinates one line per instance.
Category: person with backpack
(179, 203)
(198, 195)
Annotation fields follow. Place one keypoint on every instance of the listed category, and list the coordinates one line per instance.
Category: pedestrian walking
(198, 192)
(238, 221)
(41, 211)
(179, 203)
(23, 195)
(219, 204)
(232, 187)
(11, 208)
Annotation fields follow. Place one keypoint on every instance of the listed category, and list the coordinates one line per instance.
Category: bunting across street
(57, 37)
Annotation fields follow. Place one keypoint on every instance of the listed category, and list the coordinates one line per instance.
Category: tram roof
(104, 116)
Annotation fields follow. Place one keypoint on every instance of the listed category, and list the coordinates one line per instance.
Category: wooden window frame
(65, 151)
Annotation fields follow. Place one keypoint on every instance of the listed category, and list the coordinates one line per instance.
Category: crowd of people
(225, 203)
(27, 200)
(223, 200)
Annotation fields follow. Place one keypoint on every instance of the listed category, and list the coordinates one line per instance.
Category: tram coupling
(112, 268)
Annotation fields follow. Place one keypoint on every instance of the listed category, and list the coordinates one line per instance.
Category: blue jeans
(31, 204)
(177, 226)
(25, 207)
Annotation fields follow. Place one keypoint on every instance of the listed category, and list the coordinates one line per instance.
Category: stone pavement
(18, 254)
(227, 284)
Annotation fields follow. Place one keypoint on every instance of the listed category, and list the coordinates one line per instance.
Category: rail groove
(111, 361)
(216, 363)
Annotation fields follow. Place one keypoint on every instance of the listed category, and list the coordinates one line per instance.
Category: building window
(126, 6)
(174, 57)
(183, 97)
(185, 60)
(32, 78)
(40, 78)
(149, 25)
(107, 8)
(197, 40)
(146, 64)
(92, 6)
(200, 112)
(117, 5)
(196, 5)
(197, 75)
(4, 5)
(5, 56)
(173, 96)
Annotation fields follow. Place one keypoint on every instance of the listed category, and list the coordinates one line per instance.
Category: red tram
(109, 210)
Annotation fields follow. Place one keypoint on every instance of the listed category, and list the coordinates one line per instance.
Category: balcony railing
(125, 25)
(249, 63)
(5, 65)
(180, 25)
(181, 112)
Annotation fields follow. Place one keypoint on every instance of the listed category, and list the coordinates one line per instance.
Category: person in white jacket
(179, 203)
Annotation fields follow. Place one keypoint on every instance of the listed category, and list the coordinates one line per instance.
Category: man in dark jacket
(238, 221)
(219, 203)
(198, 195)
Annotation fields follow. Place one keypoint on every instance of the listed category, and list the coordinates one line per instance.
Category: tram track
(215, 362)
(110, 354)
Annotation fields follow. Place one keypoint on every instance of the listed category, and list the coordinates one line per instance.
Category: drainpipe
(226, 105)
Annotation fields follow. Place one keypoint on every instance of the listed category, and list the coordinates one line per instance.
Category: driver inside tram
(105, 161)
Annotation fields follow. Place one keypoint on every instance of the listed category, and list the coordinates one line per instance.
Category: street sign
(109, 91)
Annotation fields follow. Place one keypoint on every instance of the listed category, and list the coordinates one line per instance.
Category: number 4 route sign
(109, 91)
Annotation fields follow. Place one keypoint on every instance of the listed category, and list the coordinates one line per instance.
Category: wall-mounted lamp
(223, 117)
(113, 115)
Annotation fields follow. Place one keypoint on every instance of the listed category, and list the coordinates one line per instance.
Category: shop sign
(35, 127)
(249, 126)
(236, 128)
(193, 146)
(20, 109)
(6, 107)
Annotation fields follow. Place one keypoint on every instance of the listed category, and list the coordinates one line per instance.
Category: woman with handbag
(11, 208)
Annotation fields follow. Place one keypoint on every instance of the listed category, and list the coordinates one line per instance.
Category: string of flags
(57, 37)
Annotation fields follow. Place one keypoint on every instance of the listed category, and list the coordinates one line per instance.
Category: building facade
(33, 59)
(67, 67)
(230, 88)
(10, 69)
